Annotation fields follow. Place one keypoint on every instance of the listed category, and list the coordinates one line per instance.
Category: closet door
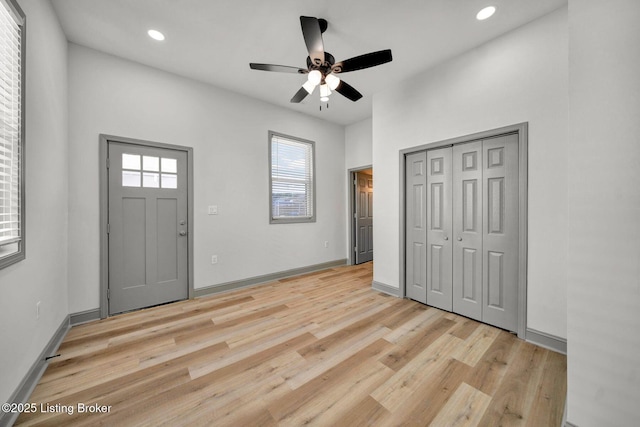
(500, 231)
(416, 226)
(467, 229)
(439, 248)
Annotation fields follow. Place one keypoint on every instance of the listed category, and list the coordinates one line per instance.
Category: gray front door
(364, 217)
(148, 241)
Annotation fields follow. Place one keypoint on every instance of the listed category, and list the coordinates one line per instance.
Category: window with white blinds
(292, 179)
(11, 132)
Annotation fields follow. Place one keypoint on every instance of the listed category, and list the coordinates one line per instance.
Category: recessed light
(156, 35)
(485, 13)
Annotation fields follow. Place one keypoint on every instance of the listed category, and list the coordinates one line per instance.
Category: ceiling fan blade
(348, 91)
(278, 68)
(363, 61)
(300, 95)
(313, 38)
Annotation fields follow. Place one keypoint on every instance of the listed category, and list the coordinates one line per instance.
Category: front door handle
(183, 233)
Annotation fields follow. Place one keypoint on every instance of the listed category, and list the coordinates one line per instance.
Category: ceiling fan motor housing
(326, 67)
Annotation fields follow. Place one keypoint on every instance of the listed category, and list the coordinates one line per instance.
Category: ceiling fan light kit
(332, 80)
(309, 86)
(314, 77)
(322, 67)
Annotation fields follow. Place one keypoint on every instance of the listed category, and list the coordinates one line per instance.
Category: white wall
(358, 144)
(604, 214)
(518, 77)
(229, 135)
(42, 276)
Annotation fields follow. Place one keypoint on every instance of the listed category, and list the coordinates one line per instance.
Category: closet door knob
(459, 239)
(446, 238)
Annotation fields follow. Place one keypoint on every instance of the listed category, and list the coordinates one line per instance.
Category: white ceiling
(213, 41)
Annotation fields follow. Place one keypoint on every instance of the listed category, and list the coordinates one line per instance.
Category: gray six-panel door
(462, 233)
(416, 226)
(148, 241)
(439, 229)
(364, 217)
(500, 236)
(467, 229)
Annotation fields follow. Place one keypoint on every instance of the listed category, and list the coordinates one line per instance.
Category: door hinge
(108, 163)
(355, 215)
(355, 249)
(108, 228)
(108, 293)
(355, 182)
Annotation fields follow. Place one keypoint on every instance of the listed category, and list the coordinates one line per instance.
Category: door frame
(522, 130)
(351, 176)
(104, 211)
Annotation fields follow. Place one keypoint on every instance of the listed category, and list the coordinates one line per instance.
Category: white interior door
(148, 241)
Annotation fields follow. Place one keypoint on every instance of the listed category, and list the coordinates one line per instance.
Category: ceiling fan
(322, 68)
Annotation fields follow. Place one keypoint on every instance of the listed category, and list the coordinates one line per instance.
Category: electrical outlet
(38, 310)
(214, 259)
(326, 243)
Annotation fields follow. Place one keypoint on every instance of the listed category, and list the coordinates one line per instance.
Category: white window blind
(10, 124)
(292, 185)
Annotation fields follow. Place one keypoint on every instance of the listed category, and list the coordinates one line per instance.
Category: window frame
(21, 21)
(292, 220)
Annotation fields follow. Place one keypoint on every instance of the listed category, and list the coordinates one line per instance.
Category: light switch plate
(213, 210)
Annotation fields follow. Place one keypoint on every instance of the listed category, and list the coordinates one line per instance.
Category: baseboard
(547, 340)
(252, 281)
(564, 414)
(29, 382)
(386, 289)
(84, 316)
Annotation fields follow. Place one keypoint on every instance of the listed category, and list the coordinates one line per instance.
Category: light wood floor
(319, 349)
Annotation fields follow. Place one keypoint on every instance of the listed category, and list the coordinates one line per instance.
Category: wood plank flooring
(319, 349)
